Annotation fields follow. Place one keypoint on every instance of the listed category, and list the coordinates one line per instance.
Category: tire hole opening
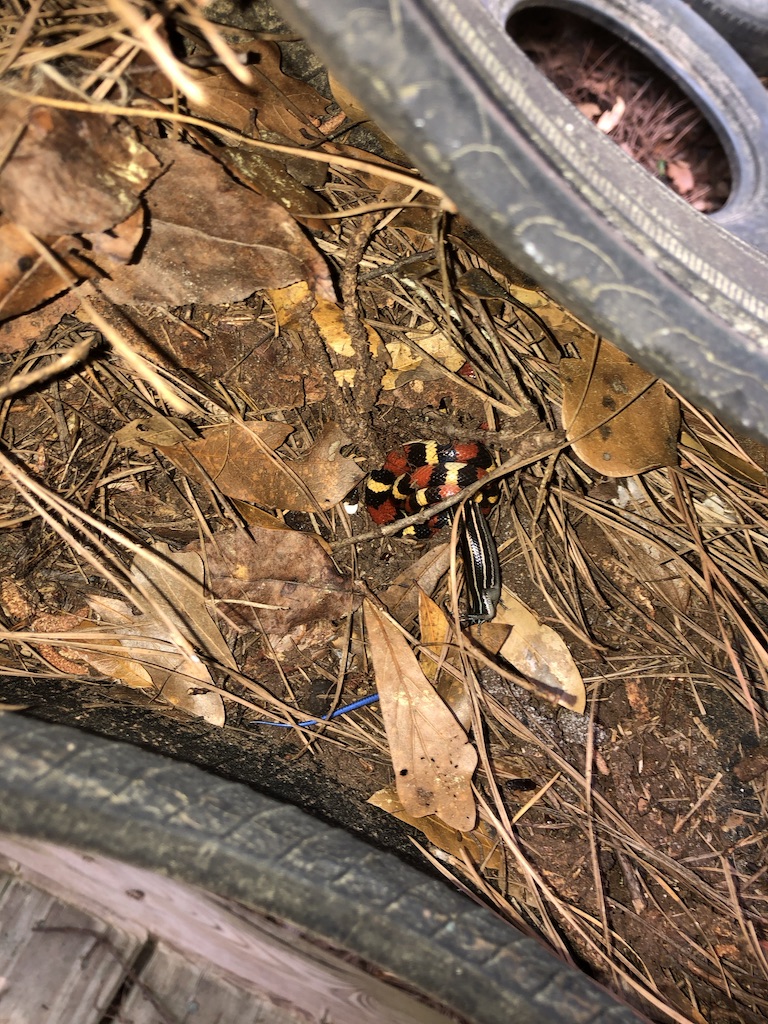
(630, 99)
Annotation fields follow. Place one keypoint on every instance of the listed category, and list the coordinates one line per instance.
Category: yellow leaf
(345, 377)
(287, 300)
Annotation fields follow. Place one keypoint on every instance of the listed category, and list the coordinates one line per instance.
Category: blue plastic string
(363, 702)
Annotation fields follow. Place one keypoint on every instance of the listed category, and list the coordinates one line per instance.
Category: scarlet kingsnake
(424, 472)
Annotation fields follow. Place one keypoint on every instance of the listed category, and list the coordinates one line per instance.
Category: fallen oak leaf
(431, 754)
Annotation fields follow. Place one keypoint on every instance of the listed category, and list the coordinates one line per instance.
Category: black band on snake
(423, 473)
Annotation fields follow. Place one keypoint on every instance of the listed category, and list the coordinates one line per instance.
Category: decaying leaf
(408, 364)
(619, 420)
(161, 642)
(479, 844)
(328, 316)
(431, 754)
(51, 193)
(15, 333)
(278, 101)
(540, 654)
(153, 432)
(238, 459)
(402, 596)
(275, 580)
(213, 241)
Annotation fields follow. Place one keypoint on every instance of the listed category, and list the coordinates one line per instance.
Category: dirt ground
(632, 837)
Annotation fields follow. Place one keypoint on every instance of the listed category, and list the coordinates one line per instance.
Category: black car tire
(119, 801)
(685, 295)
(744, 23)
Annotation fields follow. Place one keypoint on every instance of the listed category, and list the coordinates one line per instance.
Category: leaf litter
(631, 837)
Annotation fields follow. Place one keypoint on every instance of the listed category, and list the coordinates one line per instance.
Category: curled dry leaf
(479, 844)
(238, 459)
(403, 595)
(275, 580)
(540, 654)
(213, 241)
(431, 753)
(436, 633)
(619, 419)
(162, 641)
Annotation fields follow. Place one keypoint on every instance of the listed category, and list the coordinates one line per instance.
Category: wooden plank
(260, 956)
(58, 964)
(172, 987)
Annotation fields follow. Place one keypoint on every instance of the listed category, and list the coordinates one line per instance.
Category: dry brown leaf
(15, 334)
(51, 193)
(213, 241)
(272, 177)
(275, 580)
(540, 654)
(680, 174)
(379, 142)
(479, 845)
(27, 280)
(278, 101)
(436, 634)
(431, 754)
(123, 667)
(402, 596)
(121, 241)
(231, 456)
(724, 459)
(619, 419)
(161, 641)
(153, 432)
(288, 111)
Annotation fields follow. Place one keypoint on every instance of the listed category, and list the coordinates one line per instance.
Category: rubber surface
(713, 76)
(100, 796)
(744, 23)
(681, 295)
